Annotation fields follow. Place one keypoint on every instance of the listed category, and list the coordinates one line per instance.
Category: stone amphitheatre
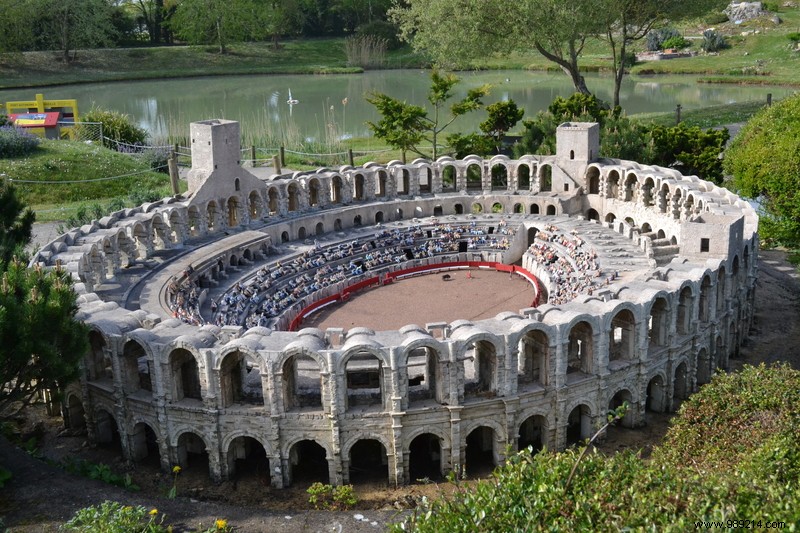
(641, 282)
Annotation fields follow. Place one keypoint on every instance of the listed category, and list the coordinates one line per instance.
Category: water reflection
(333, 106)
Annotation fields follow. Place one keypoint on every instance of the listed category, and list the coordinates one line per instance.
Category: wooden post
(283, 158)
(276, 163)
(172, 164)
(769, 99)
(253, 155)
(350, 157)
(677, 114)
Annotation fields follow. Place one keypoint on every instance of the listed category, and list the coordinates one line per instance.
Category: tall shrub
(118, 128)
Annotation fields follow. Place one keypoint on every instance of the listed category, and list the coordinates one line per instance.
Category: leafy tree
(213, 21)
(502, 116)
(152, 13)
(404, 126)
(691, 150)
(41, 343)
(14, 35)
(764, 160)
(16, 224)
(73, 24)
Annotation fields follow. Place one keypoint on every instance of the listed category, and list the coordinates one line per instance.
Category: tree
(72, 24)
(691, 150)
(213, 21)
(455, 32)
(404, 126)
(627, 21)
(14, 35)
(16, 223)
(764, 160)
(152, 13)
(41, 343)
(502, 116)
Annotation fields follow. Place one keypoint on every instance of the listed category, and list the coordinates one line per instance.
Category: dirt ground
(40, 496)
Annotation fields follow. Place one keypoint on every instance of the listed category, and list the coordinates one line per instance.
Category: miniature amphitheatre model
(644, 279)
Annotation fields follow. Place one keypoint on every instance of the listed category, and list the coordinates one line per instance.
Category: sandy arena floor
(428, 298)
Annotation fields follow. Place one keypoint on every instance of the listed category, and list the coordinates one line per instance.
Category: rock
(744, 11)
(775, 19)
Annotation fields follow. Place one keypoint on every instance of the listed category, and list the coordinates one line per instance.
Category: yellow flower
(153, 512)
(221, 524)
(176, 469)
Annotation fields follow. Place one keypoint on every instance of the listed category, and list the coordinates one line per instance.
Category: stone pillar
(456, 462)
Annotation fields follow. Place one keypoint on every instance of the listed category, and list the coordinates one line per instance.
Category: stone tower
(577, 145)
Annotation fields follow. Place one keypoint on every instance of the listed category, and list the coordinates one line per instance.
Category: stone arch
(359, 188)
(551, 210)
(593, 180)
(622, 336)
(247, 456)
(703, 367)
(684, 319)
(449, 178)
(234, 214)
(365, 386)
(480, 367)
(533, 358)
(336, 190)
(524, 178)
(107, 430)
(240, 379)
(144, 440)
(293, 193)
(631, 181)
(367, 457)
(160, 233)
(519, 208)
(425, 180)
(212, 216)
(357, 221)
(481, 448)
(658, 322)
(477, 207)
(579, 424)
(721, 290)
(319, 229)
(380, 184)
(534, 209)
(337, 224)
(425, 457)
(497, 207)
(474, 177)
(379, 217)
(255, 205)
(194, 221)
(98, 361)
(647, 191)
(425, 373)
(580, 348)
(75, 418)
(656, 394)
(499, 177)
(680, 385)
(136, 367)
(612, 184)
(302, 380)
(705, 299)
(301, 233)
(308, 460)
(592, 214)
(458, 209)
(545, 178)
(192, 452)
(617, 400)
(610, 217)
(533, 433)
(285, 236)
(314, 193)
(663, 198)
(185, 371)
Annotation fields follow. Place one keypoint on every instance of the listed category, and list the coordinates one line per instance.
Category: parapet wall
(542, 377)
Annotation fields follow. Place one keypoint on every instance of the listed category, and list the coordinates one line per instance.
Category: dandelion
(221, 524)
(153, 512)
(176, 469)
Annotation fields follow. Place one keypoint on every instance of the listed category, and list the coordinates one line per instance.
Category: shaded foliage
(16, 224)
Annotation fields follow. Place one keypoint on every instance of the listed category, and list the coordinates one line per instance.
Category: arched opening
(661, 234)
(592, 214)
(579, 349)
(379, 217)
(497, 207)
(703, 367)
(418, 212)
(551, 210)
(98, 362)
(679, 386)
(136, 366)
(534, 209)
(477, 208)
(721, 293)
(546, 178)
(273, 201)
(656, 396)
(658, 322)
(255, 205)
(294, 197)
(448, 178)
(233, 212)
(336, 190)
(622, 336)
(610, 218)
(285, 236)
(302, 384)
(630, 187)
(579, 425)
(593, 180)
(160, 235)
(499, 178)
(240, 380)
(480, 370)
(337, 225)
(364, 374)
(192, 454)
(308, 462)
(684, 318)
(646, 228)
(459, 209)
(398, 214)
(380, 182)
(519, 209)
(479, 455)
(532, 434)
(425, 458)
(319, 229)
(647, 192)
(247, 460)
(438, 211)
(406, 183)
(705, 299)
(75, 418)
(368, 462)
(357, 221)
(426, 176)
(523, 178)
(612, 184)
(301, 233)
(313, 193)
(194, 221)
(185, 375)
(424, 377)
(107, 431)
(619, 398)
(236, 184)
(532, 235)
(532, 364)
(474, 178)
(359, 188)
(144, 445)
(211, 216)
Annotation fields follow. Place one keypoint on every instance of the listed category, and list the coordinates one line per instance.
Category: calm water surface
(333, 106)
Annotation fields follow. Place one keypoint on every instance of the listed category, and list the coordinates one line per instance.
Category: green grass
(707, 117)
(68, 167)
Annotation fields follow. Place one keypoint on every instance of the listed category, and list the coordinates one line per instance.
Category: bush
(691, 150)
(117, 128)
(656, 38)
(4, 120)
(113, 517)
(713, 41)
(383, 30)
(323, 496)
(794, 37)
(676, 42)
(14, 142)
